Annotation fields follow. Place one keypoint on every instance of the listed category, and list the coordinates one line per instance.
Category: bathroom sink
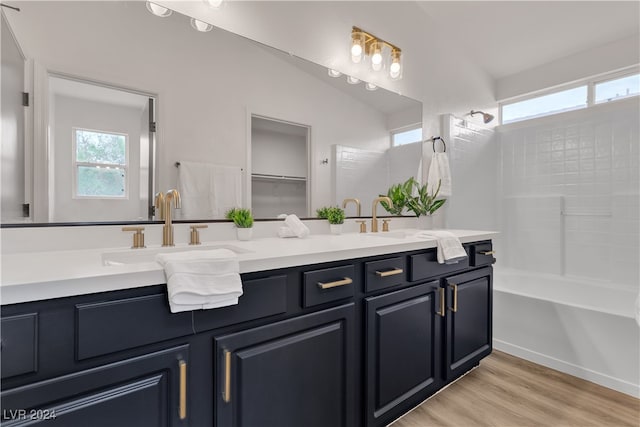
(138, 256)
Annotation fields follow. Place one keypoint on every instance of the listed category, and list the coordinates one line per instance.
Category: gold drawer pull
(441, 307)
(183, 389)
(455, 298)
(226, 394)
(390, 272)
(487, 252)
(345, 281)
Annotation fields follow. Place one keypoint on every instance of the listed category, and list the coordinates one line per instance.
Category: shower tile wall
(590, 159)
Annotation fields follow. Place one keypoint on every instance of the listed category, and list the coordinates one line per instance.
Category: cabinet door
(149, 390)
(469, 320)
(402, 350)
(298, 372)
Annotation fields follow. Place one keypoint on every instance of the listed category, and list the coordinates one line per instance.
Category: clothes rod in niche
(277, 177)
(177, 164)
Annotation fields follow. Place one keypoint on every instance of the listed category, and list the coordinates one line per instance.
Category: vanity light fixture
(214, 4)
(334, 73)
(158, 10)
(353, 80)
(370, 86)
(201, 26)
(366, 44)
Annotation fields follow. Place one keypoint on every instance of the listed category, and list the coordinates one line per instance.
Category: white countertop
(32, 276)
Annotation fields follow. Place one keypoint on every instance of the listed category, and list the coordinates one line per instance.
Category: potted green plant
(334, 215)
(399, 195)
(243, 221)
(425, 204)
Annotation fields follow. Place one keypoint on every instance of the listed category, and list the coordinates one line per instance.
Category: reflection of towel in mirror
(207, 190)
(198, 280)
(449, 248)
(439, 171)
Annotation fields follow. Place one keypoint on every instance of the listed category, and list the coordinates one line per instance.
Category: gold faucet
(167, 230)
(345, 202)
(374, 217)
(159, 205)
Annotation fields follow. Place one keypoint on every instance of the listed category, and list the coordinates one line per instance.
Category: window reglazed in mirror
(406, 136)
(619, 88)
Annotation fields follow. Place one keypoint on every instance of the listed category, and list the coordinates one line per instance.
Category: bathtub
(582, 327)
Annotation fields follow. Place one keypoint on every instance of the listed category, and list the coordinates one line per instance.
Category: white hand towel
(196, 193)
(199, 280)
(226, 184)
(298, 227)
(439, 171)
(449, 248)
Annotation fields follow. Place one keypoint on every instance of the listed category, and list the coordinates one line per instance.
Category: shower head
(486, 117)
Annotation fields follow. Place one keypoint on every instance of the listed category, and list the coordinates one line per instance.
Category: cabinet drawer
(261, 298)
(330, 284)
(425, 265)
(481, 254)
(385, 273)
(19, 344)
(110, 326)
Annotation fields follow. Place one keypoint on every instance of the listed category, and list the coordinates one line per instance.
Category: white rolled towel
(297, 226)
(286, 232)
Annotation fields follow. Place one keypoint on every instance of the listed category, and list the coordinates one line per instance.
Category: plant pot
(244, 233)
(424, 222)
(336, 228)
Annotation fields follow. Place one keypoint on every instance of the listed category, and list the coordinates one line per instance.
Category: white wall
(81, 113)
(203, 105)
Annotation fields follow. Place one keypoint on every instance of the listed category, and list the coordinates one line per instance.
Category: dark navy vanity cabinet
(357, 342)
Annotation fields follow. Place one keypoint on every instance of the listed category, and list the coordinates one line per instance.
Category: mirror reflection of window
(406, 136)
(100, 164)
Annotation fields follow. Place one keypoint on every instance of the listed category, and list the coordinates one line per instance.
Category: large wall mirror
(264, 129)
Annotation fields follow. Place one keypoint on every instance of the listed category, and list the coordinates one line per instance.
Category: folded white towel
(286, 232)
(449, 248)
(198, 280)
(439, 171)
(297, 226)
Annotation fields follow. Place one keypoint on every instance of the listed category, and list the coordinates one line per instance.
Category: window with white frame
(613, 87)
(100, 161)
(406, 136)
(623, 87)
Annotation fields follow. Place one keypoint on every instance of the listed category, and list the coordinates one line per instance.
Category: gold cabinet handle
(441, 306)
(183, 389)
(226, 394)
(455, 298)
(345, 281)
(389, 272)
(487, 252)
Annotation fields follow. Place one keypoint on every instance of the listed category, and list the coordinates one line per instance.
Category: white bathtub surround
(579, 326)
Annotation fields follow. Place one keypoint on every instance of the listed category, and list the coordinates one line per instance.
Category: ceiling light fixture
(201, 26)
(334, 73)
(213, 3)
(353, 80)
(366, 44)
(370, 86)
(158, 10)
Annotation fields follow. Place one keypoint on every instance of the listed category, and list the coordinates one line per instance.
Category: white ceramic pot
(424, 222)
(244, 233)
(336, 228)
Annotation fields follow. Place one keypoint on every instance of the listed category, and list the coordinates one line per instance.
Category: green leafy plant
(242, 218)
(399, 195)
(335, 215)
(424, 203)
(323, 212)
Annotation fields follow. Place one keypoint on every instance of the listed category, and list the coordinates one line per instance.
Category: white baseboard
(569, 368)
